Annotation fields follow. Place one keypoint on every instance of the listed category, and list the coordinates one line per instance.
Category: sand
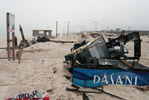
(36, 73)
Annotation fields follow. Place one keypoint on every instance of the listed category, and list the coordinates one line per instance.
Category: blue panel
(96, 77)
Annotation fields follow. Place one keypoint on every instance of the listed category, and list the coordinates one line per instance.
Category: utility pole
(95, 23)
(56, 27)
(129, 28)
(107, 28)
(82, 28)
(68, 29)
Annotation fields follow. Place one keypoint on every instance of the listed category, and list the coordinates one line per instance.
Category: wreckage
(98, 63)
(24, 43)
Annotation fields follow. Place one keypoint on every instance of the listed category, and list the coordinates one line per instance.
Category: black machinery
(24, 43)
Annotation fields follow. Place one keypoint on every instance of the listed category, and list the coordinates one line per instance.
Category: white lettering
(112, 79)
(96, 79)
(136, 79)
(104, 79)
(130, 81)
(119, 80)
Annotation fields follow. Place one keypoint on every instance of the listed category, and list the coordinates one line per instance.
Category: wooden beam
(13, 45)
(58, 41)
(8, 36)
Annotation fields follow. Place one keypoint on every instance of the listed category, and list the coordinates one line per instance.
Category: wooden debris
(143, 88)
(67, 77)
(59, 41)
(49, 90)
(54, 70)
(94, 35)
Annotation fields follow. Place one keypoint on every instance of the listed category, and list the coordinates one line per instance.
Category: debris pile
(98, 63)
(35, 95)
(42, 39)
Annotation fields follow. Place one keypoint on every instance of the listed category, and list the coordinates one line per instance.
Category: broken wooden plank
(59, 41)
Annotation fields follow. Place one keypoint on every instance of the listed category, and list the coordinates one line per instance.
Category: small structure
(41, 33)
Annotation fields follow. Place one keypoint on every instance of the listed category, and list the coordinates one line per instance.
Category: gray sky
(42, 14)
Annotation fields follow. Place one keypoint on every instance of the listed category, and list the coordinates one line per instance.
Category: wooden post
(13, 45)
(22, 33)
(19, 55)
(10, 26)
(8, 36)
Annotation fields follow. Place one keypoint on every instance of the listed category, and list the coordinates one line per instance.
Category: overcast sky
(42, 14)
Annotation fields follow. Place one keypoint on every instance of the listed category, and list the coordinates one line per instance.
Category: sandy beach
(36, 72)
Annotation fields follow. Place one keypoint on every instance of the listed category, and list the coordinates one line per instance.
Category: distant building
(41, 33)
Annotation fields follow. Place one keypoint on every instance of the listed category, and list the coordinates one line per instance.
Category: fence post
(13, 45)
(8, 36)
